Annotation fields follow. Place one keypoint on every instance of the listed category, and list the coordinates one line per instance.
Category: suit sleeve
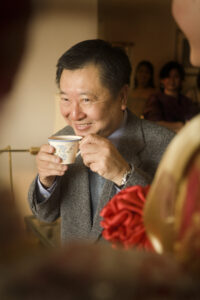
(49, 209)
(138, 177)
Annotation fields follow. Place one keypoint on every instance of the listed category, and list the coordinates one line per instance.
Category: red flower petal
(123, 218)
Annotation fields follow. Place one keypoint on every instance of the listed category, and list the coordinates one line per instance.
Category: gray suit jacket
(142, 146)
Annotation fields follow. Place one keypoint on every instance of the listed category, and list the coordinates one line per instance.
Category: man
(117, 149)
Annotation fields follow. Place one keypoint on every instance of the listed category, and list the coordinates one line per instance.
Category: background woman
(143, 87)
(169, 107)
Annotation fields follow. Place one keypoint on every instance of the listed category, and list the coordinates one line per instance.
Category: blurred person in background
(143, 87)
(14, 18)
(169, 107)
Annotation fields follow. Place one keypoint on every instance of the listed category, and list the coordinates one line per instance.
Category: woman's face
(187, 16)
(172, 83)
(143, 76)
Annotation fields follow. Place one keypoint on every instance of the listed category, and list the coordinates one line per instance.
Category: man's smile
(82, 126)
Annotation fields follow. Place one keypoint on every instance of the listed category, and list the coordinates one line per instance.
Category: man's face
(88, 106)
(187, 15)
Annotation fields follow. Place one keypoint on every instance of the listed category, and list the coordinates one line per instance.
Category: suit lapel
(107, 193)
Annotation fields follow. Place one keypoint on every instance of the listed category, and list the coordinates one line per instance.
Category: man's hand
(101, 156)
(49, 166)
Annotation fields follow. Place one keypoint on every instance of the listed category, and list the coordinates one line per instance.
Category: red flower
(123, 218)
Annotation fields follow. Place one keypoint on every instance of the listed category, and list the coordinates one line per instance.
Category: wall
(29, 116)
(146, 23)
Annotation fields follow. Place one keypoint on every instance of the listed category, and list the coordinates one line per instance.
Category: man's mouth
(84, 126)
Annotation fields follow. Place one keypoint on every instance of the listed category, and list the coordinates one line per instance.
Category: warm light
(156, 244)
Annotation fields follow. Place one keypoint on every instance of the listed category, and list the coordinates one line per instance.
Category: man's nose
(76, 112)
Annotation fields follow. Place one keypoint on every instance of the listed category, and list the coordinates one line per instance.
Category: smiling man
(117, 150)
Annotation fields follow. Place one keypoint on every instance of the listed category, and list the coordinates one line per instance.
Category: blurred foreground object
(14, 19)
(15, 244)
(172, 210)
(97, 272)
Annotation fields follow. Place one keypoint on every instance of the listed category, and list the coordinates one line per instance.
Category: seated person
(143, 87)
(117, 150)
(169, 107)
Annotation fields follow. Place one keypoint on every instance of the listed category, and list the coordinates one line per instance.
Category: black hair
(150, 67)
(171, 65)
(113, 62)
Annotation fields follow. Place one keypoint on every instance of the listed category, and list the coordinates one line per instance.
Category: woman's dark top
(162, 107)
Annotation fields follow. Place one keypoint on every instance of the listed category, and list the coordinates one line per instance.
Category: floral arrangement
(123, 219)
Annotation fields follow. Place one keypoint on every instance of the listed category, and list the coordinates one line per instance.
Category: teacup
(66, 147)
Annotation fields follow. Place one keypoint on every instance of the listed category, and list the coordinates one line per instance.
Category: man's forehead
(91, 72)
(87, 78)
(79, 92)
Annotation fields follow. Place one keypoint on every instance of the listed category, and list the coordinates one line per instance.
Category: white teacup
(66, 147)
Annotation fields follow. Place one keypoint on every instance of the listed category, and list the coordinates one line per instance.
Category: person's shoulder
(132, 118)
(149, 127)
(156, 137)
(152, 128)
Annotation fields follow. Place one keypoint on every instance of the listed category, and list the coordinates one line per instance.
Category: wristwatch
(125, 177)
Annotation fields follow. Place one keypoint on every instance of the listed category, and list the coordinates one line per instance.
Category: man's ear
(124, 96)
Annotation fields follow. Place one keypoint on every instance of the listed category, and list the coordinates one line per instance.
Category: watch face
(126, 176)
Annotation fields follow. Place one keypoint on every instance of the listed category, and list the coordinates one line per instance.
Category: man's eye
(86, 100)
(65, 99)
